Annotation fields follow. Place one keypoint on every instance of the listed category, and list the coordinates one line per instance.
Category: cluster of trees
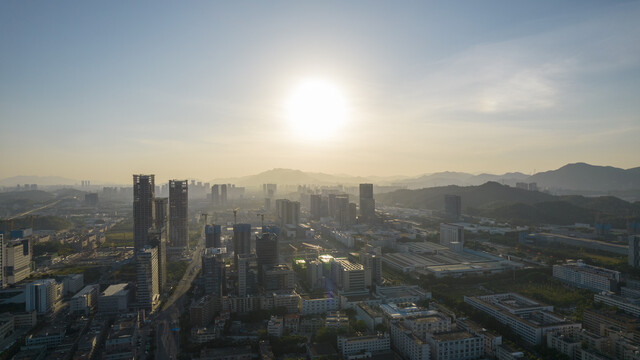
(52, 247)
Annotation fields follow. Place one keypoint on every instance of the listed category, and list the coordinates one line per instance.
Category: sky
(199, 89)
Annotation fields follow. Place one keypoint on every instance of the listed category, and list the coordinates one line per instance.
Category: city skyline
(204, 90)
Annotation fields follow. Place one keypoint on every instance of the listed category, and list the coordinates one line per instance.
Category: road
(167, 341)
(37, 209)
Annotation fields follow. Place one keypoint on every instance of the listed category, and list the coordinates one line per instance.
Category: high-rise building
(331, 205)
(241, 239)
(143, 209)
(315, 206)
(288, 212)
(278, 277)
(242, 263)
(342, 210)
(178, 213)
(452, 235)
(373, 268)
(453, 207)
(212, 235)
(161, 213)
(158, 240)
(215, 195)
(16, 260)
(266, 252)
(367, 204)
(41, 295)
(213, 274)
(147, 277)
(634, 250)
(223, 194)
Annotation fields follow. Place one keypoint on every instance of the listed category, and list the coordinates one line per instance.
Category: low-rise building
(49, 336)
(627, 305)
(410, 346)
(371, 315)
(320, 305)
(455, 345)
(527, 318)
(586, 276)
(115, 299)
(371, 343)
(83, 302)
(275, 327)
(336, 319)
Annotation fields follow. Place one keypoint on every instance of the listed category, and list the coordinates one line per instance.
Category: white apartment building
(84, 301)
(408, 344)
(312, 306)
(370, 343)
(41, 295)
(586, 276)
(627, 305)
(455, 345)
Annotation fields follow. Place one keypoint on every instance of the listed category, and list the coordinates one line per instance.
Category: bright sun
(316, 108)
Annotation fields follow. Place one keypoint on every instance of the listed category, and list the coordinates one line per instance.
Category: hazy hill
(490, 194)
(519, 206)
(293, 177)
(585, 177)
(459, 179)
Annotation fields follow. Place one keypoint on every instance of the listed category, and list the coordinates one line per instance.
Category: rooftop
(116, 290)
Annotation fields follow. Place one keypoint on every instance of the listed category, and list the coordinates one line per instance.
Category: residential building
(241, 239)
(410, 346)
(367, 204)
(627, 305)
(348, 276)
(85, 301)
(41, 295)
(143, 209)
(213, 235)
(455, 345)
(351, 345)
(201, 312)
(321, 305)
(147, 278)
(287, 212)
(336, 319)
(16, 260)
(586, 276)
(266, 253)
(72, 283)
(275, 327)
(178, 213)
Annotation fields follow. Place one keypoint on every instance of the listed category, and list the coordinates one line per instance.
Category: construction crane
(295, 251)
(235, 216)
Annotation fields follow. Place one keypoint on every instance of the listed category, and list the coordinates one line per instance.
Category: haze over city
(210, 89)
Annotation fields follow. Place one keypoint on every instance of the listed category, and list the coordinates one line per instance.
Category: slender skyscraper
(241, 239)
(178, 213)
(223, 194)
(367, 203)
(215, 195)
(143, 209)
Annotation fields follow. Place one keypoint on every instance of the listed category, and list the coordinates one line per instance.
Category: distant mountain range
(503, 202)
(578, 178)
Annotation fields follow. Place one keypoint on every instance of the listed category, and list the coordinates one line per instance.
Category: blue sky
(101, 90)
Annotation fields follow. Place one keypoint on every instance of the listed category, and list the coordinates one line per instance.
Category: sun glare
(316, 109)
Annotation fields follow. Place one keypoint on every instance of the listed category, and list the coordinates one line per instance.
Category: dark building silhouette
(215, 195)
(367, 204)
(315, 206)
(178, 213)
(453, 207)
(212, 234)
(213, 274)
(143, 209)
(266, 252)
(241, 239)
(223, 194)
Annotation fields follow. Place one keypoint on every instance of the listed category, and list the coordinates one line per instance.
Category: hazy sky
(101, 90)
